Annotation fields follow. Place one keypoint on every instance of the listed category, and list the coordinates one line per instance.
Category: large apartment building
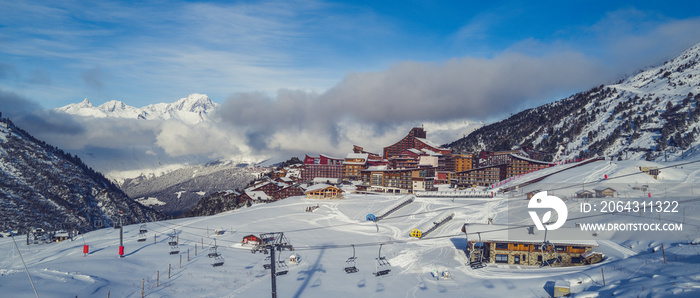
(322, 166)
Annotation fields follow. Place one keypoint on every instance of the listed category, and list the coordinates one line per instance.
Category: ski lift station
(516, 245)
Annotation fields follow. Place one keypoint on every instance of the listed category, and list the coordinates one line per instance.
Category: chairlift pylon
(383, 265)
(350, 262)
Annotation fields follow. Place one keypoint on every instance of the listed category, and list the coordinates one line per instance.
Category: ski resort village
(413, 221)
(349, 149)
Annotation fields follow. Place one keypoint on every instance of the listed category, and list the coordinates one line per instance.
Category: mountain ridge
(651, 115)
(43, 186)
(192, 109)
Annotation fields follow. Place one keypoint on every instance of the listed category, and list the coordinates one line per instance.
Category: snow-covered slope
(41, 186)
(177, 191)
(653, 115)
(191, 109)
(634, 266)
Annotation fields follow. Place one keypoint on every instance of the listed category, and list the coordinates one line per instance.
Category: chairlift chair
(213, 250)
(217, 261)
(350, 262)
(476, 256)
(548, 247)
(143, 229)
(142, 237)
(266, 265)
(174, 247)
(172, 241)
(383, 265)
(282, 265)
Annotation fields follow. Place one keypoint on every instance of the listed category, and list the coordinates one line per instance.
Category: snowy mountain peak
(194, 103)
(85, 103)
(191, 109)
(112, 106)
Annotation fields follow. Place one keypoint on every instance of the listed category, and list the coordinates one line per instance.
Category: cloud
(408, 94)
(31, 117)
(205, 138)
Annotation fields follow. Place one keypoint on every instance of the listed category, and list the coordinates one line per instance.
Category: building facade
(518, 165)
(324, 191)
(416, 139)
(523, 246)
(463, 162)
(353, 163)
(484, 176)
(322, 166)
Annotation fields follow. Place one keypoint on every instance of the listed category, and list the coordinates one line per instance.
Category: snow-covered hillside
(653, 115)
(41, 186)
(635, 264)
(191, 109)
(179, 190)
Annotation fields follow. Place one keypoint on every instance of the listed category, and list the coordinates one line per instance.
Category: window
(501, 258)
(576, 260)
(501, 245)
(539, 258)
(516, 259)
(561, 248)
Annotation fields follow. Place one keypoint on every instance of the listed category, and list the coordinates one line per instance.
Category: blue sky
(59, 52)
(297, 77)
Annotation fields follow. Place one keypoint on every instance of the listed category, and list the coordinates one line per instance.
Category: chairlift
(142, 237)
(282, 265)
(213, 250)
(383, 266)
(550, 248)
(266, 265)
(143, 229)
(350, 262)
(476, 256)
(173, 239)
(217, 261)
(174, 247)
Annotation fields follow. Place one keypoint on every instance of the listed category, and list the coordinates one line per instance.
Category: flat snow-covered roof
(519, 234)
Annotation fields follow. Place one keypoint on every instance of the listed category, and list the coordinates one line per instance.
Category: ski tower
(269, 243)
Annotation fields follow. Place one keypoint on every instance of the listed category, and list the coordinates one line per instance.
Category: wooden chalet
(584, 194)
(502, 244)
(604, 192)
(323, 191)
